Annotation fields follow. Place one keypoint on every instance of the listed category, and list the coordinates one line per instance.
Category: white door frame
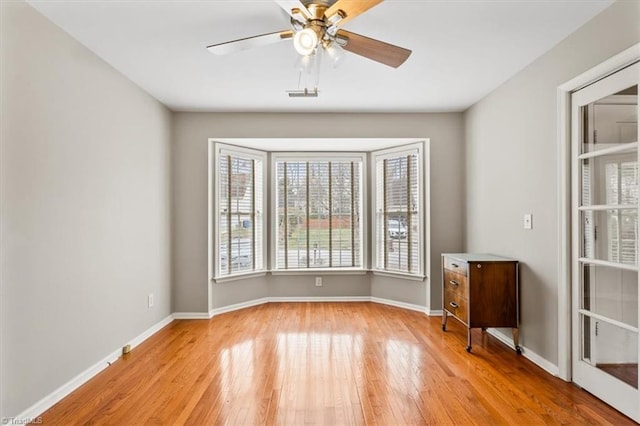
(608, 67)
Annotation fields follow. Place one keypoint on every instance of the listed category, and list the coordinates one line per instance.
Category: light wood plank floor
(325, 363)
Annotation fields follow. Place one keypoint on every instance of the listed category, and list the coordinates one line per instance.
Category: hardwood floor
(325, 363)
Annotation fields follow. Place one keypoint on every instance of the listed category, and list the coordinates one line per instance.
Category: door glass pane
(611, 292)
(610, 179)
(610, 235)
(611, 349)
(611, 121)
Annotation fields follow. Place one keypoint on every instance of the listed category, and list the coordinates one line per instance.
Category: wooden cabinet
(481, 291)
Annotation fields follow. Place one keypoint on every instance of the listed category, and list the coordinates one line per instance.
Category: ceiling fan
(315, 27)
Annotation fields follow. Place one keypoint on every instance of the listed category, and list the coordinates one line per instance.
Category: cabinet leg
(468, 339)
(516, 334)
(444, 320)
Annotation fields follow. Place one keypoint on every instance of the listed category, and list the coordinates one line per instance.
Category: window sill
(236, 277)
(400, 275)
(319, 271)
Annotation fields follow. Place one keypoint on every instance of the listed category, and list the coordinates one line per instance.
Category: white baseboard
(434, 312)
(397, 304)
(540, 361)
(235, 307)
(150, 331)
(191, 315)
(57, 395)
(321, 299)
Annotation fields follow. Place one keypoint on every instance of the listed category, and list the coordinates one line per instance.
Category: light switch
(528, 221)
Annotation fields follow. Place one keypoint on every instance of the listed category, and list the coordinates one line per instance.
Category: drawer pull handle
(455, 265)
(454, 283)
(453, 304)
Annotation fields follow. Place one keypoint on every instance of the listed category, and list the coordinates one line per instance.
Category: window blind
(240, 220)
(319, 207)
(622, 188)
(398, 227)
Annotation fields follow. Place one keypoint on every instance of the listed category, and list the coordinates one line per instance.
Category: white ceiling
(462, 50)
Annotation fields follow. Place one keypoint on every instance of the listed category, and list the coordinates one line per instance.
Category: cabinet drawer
(456, 305)
(456, 283)
(455, 265)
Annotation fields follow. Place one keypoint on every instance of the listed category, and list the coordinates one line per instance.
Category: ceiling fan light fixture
(335, 52)
(305, 41)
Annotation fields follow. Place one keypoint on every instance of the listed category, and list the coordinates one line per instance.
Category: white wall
(511, 163)
(189, 155)
(84, 192)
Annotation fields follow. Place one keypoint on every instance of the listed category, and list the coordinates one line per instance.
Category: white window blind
(622, 188)
(588, 216)
(399, 230)
(319, 207)
(240, 211)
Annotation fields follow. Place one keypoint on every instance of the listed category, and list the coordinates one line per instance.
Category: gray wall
(511, 162)
(189, 155)
(84, 193)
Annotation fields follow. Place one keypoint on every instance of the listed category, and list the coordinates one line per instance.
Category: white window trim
(397, 274)
(423, 189)
(216, 150)
(320, 271)
(318, 156)
(239, 276)
(279, 146)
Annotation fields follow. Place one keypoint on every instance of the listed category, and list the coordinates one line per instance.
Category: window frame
(422, 150)
(217, 150)
(273, 198)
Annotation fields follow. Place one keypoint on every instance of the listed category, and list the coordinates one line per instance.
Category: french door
(605, 312)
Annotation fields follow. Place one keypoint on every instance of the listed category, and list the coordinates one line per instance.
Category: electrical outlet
(528, 221)
(150, 300)
(318, 281)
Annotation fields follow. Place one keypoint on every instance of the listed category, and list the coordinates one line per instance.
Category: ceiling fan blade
(290, 5)
(249, 42)
(376, 50)
(351, 8)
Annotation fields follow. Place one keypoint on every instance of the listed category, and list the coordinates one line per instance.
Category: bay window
(320, 216)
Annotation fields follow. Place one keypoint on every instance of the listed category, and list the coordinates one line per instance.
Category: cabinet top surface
(478, 257)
